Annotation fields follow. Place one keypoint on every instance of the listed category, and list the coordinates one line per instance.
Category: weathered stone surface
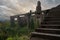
(37, 38)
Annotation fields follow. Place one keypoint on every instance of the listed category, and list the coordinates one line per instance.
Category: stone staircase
(49, 29)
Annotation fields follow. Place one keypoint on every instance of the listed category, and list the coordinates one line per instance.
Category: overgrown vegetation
(15, 33)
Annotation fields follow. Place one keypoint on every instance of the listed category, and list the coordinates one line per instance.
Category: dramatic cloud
(14, 7)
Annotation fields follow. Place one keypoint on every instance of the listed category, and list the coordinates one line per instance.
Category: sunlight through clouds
(14, 7)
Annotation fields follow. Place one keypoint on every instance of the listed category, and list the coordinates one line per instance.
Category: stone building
(27, 16)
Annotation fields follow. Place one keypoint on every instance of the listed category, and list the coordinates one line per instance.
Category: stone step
(50, 26)
(51, 22)
(52, 16)
(48, 30)
(51, 19)
(38, 38)
(45, 35)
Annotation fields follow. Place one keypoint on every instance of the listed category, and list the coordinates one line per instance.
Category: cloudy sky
(14, 7)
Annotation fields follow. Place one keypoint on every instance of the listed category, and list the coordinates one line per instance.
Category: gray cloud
(13, 7)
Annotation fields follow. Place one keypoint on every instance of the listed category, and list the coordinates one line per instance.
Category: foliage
(18, 38)
(16, 33)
